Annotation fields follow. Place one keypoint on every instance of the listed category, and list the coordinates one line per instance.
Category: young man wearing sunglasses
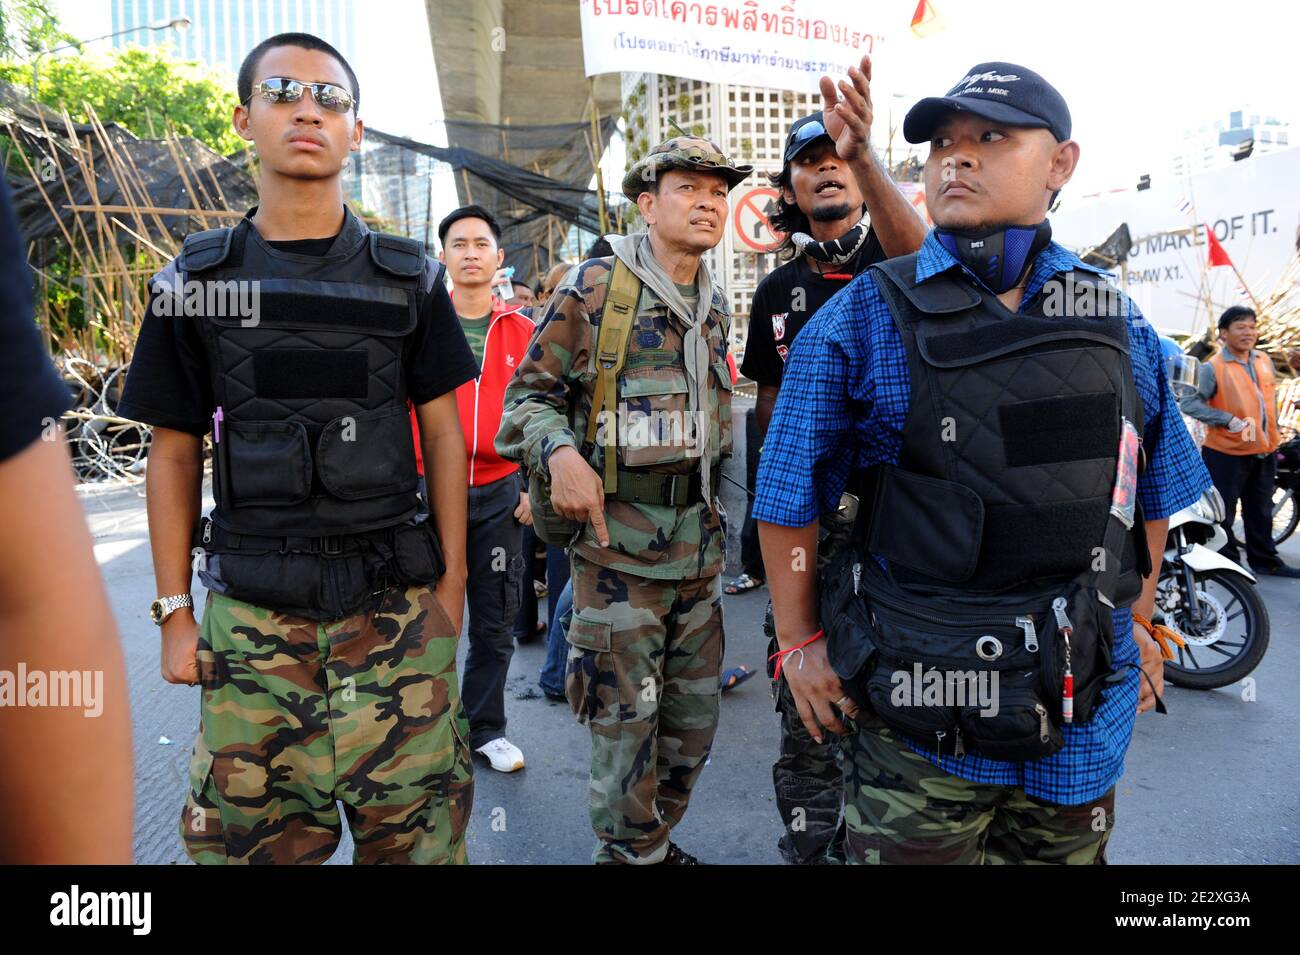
(840, 212)
(327, 649)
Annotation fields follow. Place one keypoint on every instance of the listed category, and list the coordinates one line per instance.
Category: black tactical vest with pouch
(313, 451)
(1004, 543)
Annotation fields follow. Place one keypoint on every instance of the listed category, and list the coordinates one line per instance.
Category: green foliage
(28, 27)
(141, 88)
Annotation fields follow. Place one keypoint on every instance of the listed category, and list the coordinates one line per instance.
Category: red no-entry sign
(752, 219)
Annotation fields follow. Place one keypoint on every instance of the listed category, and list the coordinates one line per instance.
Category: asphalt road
(1213, 782)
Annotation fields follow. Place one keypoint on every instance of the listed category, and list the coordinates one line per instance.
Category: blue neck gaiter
(998, 257)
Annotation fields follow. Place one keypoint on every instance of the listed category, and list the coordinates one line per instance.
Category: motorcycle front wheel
(1227, 641)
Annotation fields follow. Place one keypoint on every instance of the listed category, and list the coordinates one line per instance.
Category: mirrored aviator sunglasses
(282, 89)
(808, 131)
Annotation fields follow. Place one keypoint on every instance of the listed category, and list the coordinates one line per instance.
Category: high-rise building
(1213, 143)
(224, 31)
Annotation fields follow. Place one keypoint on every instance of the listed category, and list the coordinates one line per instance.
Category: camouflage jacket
(557, 379)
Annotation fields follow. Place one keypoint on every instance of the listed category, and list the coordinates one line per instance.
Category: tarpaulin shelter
(66, 170)
(533, 179)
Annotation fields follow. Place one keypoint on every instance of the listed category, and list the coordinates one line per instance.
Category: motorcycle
(1208, 600)
(1286, 508)
(1286, 495)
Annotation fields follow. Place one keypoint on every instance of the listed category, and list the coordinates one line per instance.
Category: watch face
(156, 611)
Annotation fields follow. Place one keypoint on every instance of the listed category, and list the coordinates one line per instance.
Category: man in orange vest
(1236, 396)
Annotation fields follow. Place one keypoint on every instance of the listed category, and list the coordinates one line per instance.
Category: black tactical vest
(312, 435)
(1010, 447)
(1005, 557)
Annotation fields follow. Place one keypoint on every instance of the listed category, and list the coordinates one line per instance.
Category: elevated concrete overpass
(514, 62)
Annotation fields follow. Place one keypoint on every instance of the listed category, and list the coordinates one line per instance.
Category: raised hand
(848, 120)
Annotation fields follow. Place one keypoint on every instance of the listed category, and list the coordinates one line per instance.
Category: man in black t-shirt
(326, 652)
(841, 213)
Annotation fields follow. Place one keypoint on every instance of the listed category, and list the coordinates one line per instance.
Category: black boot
(677, 857)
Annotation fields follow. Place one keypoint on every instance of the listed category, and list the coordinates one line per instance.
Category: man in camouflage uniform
(646, 636)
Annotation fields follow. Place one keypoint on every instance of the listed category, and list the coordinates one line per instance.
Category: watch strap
(170, 605)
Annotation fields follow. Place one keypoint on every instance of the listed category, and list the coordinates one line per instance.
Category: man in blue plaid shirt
(999, 153)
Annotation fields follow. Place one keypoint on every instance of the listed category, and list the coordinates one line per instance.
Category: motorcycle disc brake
(1211, 608)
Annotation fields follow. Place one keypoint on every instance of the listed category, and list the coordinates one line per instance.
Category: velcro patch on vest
(986, 341)
(1040, 540)
(311, 373)
(1059, 428)
(335, 306)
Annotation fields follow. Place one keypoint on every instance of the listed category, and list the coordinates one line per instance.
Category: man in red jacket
(498, 501)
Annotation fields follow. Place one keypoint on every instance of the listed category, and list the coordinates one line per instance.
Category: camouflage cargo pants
(297, 714)
(902, 809)
(642, 673)
(808, 778)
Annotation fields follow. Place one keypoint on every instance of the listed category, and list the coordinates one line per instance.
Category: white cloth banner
(781, 44)
(1253, 207)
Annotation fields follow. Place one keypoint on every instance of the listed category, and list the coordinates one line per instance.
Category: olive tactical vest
(311, 434)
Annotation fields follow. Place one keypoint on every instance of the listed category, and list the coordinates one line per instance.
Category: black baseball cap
(804, 131)
(1003, 92)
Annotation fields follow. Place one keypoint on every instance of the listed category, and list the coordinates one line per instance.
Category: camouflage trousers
(902, 809)
(297, 715)
(808, 778)
(642, 673)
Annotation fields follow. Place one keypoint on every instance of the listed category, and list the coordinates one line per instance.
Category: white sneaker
(504, 755)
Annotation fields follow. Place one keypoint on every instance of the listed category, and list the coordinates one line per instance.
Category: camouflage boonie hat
(692, 153)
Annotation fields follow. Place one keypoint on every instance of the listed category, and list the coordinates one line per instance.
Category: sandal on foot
(733, 677)
(742, 584)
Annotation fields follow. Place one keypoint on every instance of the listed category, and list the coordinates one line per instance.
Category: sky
(393, 54)
(1135, 73)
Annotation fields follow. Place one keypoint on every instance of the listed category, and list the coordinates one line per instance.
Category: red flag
(1218, 256)
(926, 20)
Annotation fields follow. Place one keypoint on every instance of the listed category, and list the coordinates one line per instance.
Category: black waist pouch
(318, 580)
(318, 587)
(844, 617)
(963, 674)
(417, 555)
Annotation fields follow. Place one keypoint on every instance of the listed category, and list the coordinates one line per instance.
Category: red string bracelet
(780, 655)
